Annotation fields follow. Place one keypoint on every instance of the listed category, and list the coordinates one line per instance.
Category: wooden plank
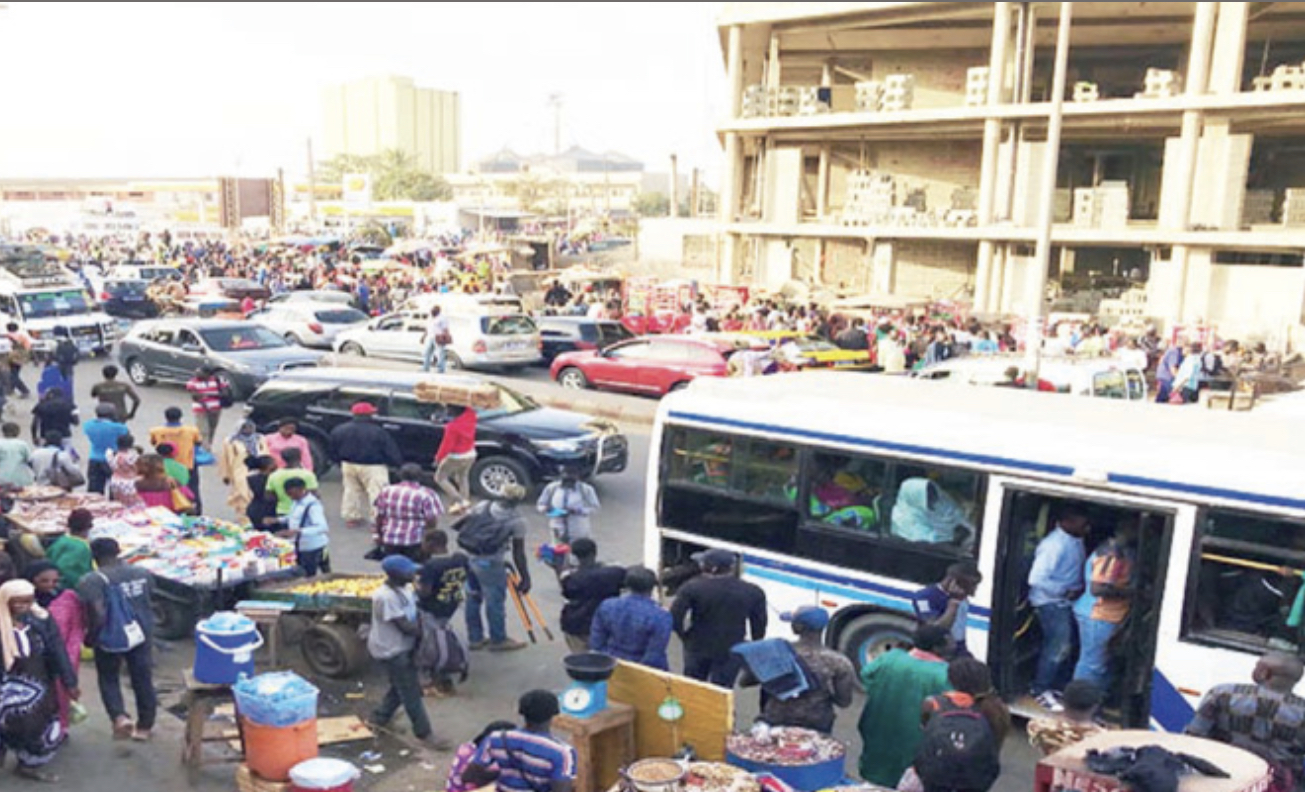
(708, 711)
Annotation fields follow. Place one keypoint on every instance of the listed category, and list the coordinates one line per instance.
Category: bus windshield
(44, 305)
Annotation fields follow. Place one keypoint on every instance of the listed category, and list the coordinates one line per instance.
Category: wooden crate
(479, 397)
(708, 711)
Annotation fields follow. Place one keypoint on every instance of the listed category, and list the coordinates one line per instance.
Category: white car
(309, 324)
(1102, 378)
(318, 296)
(508, 340)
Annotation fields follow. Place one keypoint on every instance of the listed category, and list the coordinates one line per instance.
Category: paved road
(91, 762)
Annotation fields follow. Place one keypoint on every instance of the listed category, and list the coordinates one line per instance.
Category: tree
(652, 204)
(333, 170)
(396, 176)
(532, 190)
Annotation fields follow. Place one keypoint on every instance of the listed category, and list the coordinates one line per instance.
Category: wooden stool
(603, 745)
(201, 701)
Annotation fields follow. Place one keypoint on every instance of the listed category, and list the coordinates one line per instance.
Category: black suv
(560, 334)
(518, 442)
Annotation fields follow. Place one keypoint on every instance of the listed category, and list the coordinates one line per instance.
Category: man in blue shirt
(1055, 581)
(947, 604)
(1165, 372)
(307, 526)
(102, 432)
(633, 627)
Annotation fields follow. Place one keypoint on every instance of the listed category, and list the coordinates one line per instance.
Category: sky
(213, 89)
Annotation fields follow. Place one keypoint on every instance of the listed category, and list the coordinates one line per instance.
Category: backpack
(121, 631)
(958, 751)
(480, 533)
(442, 652)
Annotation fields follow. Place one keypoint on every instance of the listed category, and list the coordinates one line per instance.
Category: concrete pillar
(732, 175)
(1229, 49)
(772, 63)
(826, 150)
(673, 190)
(997, 60)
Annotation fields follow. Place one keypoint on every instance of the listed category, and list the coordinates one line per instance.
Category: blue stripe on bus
(1169, 708)
(850, 588)
(1006, 462)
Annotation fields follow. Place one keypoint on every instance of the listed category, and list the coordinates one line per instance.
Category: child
(306, 524)
(1081, 700)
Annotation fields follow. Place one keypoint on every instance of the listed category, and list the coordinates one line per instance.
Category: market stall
(335, 606)
(199, 564)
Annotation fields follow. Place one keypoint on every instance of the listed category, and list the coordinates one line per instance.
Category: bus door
(1029, 512)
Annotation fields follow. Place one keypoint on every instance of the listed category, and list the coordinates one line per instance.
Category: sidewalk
(639, 410)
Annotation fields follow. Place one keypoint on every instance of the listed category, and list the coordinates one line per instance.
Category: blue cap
(400, 565)
(808, 617)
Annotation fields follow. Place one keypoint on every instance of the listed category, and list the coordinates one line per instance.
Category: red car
(649, 364)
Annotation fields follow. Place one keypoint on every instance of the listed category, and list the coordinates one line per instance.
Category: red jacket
(459, 436)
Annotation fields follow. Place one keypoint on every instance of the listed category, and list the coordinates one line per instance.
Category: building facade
(576, 181)
(368, 116)
(900, 148)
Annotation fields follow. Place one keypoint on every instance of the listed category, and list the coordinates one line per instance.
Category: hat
(399, 565)
(363, 408)
(715, 558)
(808, 617)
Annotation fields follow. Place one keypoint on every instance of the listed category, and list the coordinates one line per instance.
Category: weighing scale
(587, 695)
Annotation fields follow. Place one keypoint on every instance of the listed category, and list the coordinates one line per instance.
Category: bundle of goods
(717, 777)
(41, 513)
(655, 775)
(804, 759)
(193, 550)
(479, 396)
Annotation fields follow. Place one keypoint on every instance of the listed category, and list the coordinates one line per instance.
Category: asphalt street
(93, 762)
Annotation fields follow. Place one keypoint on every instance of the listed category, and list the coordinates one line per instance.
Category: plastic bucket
(323, 775)
(272, 751)
(224, 648)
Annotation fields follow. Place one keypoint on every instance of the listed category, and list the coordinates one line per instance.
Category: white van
(1103, 378)
(40, 296)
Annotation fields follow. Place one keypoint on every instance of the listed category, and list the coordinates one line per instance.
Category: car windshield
(340, 316)
(510, 402)
(516, 324)
(242, 339)
(125, 287)
(63, 302)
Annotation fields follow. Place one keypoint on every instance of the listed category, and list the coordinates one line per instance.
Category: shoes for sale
(508, 645)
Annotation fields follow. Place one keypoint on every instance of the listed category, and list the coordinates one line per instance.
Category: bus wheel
(866, 637)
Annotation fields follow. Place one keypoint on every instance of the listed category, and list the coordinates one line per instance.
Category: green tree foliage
(652, 204)
(395, 174)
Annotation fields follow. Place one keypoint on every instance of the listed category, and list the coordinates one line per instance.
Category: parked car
(143, 271)
(309, 324)
(506, 340)
(245, 354)
(1102, 378)
(126, 299)
(516, 442)
(315, 296)
(560, 334)
(233, 288)
(653, 365)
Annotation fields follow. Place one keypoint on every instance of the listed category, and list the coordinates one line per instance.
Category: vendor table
(200, 701)
(1065, 770)
(604, 744)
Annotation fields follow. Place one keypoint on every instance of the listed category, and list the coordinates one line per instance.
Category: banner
(357, 189)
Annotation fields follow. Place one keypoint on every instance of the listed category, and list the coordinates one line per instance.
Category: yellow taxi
(804, 351)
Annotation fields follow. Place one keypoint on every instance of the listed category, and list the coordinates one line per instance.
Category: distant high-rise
(371, 115)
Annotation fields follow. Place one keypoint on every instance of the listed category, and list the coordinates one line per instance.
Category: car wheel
(867, 637)
(353, 349)
(573, 378)
(138, 373)
(489, 476)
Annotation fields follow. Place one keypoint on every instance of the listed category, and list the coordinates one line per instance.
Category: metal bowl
(589, 666)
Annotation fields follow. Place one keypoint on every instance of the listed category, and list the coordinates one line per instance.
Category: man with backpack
(119, 628)
(960, 749)
(486, 533)
(441, 653)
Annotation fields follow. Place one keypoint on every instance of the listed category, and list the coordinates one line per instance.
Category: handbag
(204, 457)
(444, 338)
(181, 503)
(121, 631)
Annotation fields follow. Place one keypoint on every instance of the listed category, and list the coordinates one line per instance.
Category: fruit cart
(329, 610)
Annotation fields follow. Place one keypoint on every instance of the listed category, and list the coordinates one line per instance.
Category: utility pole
(555, 102)
(695, 195)
(674, 191)
(312, 185)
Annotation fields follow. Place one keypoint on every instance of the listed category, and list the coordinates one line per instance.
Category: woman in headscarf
(246, 443)
(65, 609)
(925, 513)
(32, 658)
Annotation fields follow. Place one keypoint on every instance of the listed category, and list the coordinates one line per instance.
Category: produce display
(718, 777)
(785, 746)
(360, 587)
(44, 510)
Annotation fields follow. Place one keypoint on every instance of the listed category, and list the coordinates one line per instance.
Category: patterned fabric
(1049, 735)
(29, 714)
(814, 709)
(1262, 721)
(527, 761)
(403, 512)
(206, 395)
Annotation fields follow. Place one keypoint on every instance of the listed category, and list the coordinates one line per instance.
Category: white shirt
(436, 327)
(1133, 358)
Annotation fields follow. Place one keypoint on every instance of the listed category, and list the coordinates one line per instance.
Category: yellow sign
(357, 188)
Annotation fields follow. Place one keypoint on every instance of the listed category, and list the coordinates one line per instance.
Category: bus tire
(866, 637)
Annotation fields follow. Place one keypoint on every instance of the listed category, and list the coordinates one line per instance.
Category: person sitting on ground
(462, 777)
(530, 759)
(54, 466)
(1082, 701)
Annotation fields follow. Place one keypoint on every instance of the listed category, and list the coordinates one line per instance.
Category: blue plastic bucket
(805, 778)
(224, 648)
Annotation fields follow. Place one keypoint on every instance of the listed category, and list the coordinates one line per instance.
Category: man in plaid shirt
(404, 512)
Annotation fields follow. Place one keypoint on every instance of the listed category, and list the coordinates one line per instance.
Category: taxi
(809, 352)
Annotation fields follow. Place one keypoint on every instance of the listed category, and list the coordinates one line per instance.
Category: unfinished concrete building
(898, 148)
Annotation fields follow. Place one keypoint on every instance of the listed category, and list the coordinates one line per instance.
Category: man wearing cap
(830, 674)
(391, 642)
(366, 453)
(713, 612)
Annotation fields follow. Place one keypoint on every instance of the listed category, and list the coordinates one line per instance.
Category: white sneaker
(1050, 701)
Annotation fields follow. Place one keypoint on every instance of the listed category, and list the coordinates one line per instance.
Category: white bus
(799, 474)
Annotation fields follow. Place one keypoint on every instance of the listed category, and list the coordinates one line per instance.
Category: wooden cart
(330, 643)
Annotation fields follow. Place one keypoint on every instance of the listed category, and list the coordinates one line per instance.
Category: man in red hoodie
(456, 455)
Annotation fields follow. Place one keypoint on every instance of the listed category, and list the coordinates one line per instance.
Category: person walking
(245, 444)
(206, 396)
(455, 457)
(633, 627)
(102, 433)
(964, 728)
(487, 533)
(713, 612)
(184, 439)
(830, 676)
(366, 453)
(585, 588)
(568, 503)
(65, 610)
(66, 355)
(15, 458)
(530, 759)
(896, 684)
(120, 626)
(306, 525)
(437, 339)
(287, 436)
(123, 461)
(391, 642)
(441, 587)
(1055, 581)
(113, 391)
(404, 513)
(19, 356)
(55, 412)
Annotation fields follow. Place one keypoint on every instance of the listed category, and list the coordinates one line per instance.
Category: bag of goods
(278, 699)
(479, 397)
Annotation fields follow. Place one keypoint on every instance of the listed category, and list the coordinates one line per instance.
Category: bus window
(769, 471)
(1247, 581)
(847, 491)
(699, 457)
(936, 505)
